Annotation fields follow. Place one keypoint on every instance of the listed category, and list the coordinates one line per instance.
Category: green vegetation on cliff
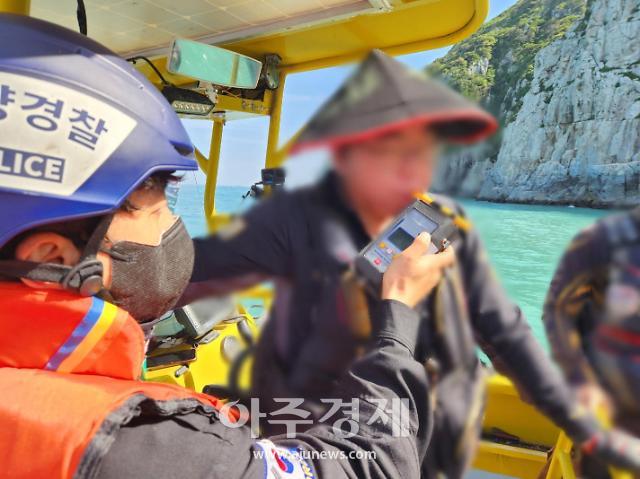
(495, 65)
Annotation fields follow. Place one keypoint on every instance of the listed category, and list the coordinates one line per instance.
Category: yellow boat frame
(352, 38)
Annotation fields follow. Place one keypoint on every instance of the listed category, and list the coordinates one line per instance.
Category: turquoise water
(190, 205)
(524, 242)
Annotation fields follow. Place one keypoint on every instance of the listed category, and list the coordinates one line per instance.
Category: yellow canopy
(306, 34)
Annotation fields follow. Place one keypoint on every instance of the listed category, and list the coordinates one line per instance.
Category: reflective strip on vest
(87, 334)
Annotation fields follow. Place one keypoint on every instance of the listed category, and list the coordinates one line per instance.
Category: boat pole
(213, 164)
(21, 7)
(274, 160)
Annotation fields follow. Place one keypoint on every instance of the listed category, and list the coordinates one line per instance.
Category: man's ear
(47, 248)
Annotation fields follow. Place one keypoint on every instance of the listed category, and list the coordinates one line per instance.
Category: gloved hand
(616, 448)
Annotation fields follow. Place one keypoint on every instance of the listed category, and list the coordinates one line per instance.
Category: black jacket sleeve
(506, 337)
(383, 446)
(251, 248)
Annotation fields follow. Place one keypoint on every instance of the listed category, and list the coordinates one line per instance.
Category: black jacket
(198, 445)
(305, 240)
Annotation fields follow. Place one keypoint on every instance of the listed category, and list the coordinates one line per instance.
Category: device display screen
(422, 222)
(400, 239)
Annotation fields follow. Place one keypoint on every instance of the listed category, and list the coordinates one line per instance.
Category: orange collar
(58, 331)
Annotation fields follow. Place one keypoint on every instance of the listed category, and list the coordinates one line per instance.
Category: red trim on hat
(491, 125)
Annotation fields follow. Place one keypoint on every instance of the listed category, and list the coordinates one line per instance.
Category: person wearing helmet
(592, 318)
(384, 127)
(90, 252)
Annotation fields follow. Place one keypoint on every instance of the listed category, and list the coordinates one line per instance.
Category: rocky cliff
(568, 95)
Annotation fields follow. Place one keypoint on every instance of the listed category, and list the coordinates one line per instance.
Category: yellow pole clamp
(21, 7)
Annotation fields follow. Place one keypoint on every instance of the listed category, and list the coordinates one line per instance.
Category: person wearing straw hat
(384, 128)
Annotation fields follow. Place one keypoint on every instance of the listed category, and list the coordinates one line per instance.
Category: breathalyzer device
(372, 262)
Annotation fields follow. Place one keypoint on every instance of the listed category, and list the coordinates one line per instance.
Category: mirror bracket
(270, 71)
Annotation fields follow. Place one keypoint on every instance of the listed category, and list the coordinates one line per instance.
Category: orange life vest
(68, 381)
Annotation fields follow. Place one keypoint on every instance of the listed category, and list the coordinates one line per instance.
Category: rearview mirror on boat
(213, 64)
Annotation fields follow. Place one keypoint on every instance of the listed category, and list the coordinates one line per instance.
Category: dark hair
(79, 231)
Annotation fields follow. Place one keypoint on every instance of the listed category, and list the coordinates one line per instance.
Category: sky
(244, 142)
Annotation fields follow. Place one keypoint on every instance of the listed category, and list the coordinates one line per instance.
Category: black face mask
(147, 281)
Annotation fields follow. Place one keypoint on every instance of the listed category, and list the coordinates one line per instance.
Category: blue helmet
(80, 128)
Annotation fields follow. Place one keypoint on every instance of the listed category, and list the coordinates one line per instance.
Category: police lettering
(31, 165)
